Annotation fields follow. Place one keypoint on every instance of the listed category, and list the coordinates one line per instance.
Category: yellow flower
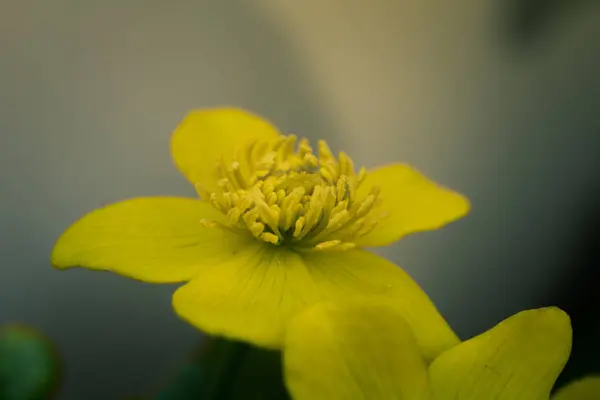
(361, 351)
(277, 228)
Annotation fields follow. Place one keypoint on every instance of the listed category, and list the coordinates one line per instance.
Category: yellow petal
(253, 300)
(206, 135)
(250, 300)
(154, 239)
(411, 203)
(353, 351)
(587, 388)
(358, 274)
(518, 359)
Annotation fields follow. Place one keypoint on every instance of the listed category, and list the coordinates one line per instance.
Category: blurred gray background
(497, 99)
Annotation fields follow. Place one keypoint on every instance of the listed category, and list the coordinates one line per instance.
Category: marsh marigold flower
(358, 351)
(277, 227)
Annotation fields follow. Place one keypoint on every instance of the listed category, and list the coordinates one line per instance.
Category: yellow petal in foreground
(353, 352)
(518, 359)
(207, 135)
(255, 300)
(587, 388)
(156, 239)
(410, 202)
(363, 350)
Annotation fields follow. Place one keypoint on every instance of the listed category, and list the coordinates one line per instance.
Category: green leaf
(29, 367)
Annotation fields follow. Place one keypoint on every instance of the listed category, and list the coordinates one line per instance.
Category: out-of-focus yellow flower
(278, 227)
(586, 388)
(361, 351)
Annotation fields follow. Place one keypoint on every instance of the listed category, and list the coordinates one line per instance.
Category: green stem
(225, 370)
(211, 374)
(231, 371)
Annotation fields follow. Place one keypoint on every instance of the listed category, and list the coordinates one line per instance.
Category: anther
(207, 223)
(269, 238)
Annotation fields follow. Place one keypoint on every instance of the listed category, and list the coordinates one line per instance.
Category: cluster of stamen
(282, 193)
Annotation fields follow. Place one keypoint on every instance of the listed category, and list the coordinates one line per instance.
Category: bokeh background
(498, 99)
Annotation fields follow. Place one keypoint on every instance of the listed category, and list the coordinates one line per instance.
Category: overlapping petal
(358, 274)
(347, 351)
(153, 239)
(206, 135)
(411, 202)
(518, 359)
(255, 300)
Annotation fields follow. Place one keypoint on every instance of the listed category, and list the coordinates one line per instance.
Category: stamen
(328, 245)
(337, 221)
(327, 175)
(304, 148)
(335, 245)
(269, 238)
(342, 188)
(284, 195)
(331, 169)
(257, 151)
(207, 223)
(366, 205)
(250, 218)
(257, 228)
(272, 198)
(346, 246)
(233, 216)
(202, 192)
(237, 176)
(298, 227)
(362, 174)
(315, 210)
(279, 142)
(346, 164)
(325, 155)
(310, 160)
(288, 147)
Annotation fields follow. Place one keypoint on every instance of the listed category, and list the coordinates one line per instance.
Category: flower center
(283, 194)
